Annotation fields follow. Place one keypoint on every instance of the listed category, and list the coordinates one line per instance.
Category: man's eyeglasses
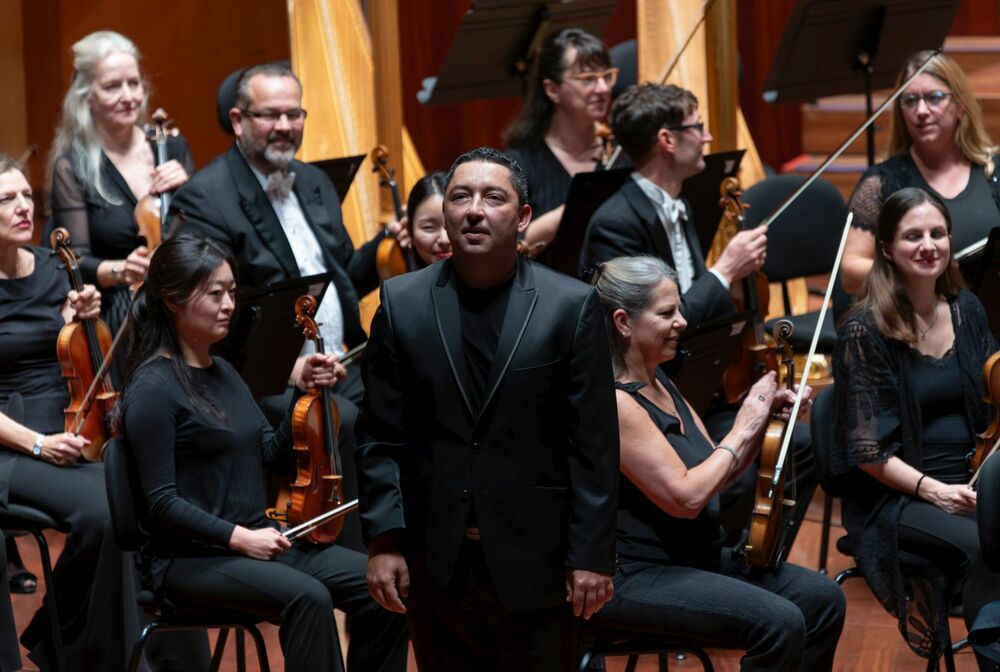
(700, 127)
(590, 79)
(933, 99)
(294, 116)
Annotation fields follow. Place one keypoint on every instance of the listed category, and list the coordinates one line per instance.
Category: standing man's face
(269, 129)
(482, 213)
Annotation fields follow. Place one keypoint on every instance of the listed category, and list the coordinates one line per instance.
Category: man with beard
(488, 442)
(280, 218)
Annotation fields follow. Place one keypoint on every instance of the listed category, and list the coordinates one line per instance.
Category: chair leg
(241, 652)
(824, 535)
(633, 660)
(220, 648)
(848, 573)
(140, 644)
(664, 660)
(706, 662)
(258, 641)
(949, 659)
(50, 600)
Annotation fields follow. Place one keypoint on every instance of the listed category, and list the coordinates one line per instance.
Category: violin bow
(305, 528)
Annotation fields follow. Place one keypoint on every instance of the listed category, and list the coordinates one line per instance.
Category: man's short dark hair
(275, 69)
(642, 110)
(490, 155)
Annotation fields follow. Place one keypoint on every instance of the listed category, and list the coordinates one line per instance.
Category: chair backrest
(125, 499)
(804, 239)
(988, 510)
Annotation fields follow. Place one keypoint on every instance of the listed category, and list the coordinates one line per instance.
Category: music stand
(263, 341)
(831, 47)
(702, 192)
(341, 172)
(704, 353)
(987, 281)
(587, 192)
(491, 53)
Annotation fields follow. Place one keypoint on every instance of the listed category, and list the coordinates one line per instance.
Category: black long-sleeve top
(201, 474)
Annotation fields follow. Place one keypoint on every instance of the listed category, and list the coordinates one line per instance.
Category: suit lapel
(257, 209)
(646, 212)
(444, 298)
(520, 305)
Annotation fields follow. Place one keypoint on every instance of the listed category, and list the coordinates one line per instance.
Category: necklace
(923, 332)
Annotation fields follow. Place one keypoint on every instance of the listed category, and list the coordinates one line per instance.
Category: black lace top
(878, 415)
(646, 532)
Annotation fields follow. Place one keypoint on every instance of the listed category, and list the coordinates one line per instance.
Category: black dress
(98, 228)
(94, 582)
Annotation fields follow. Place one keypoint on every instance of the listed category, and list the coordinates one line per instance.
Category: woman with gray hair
(101, 164)
(673, 575)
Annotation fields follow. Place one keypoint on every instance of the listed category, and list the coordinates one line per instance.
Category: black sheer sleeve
(866, 202)
(68, 202)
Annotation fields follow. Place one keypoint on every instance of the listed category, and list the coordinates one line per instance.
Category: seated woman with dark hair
(908, 367)
(425, 220)
(674, 578)
(192, 426)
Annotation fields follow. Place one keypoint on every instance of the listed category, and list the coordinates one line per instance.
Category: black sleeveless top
(646, 532)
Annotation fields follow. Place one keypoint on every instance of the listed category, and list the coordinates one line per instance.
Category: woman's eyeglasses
(934, 99)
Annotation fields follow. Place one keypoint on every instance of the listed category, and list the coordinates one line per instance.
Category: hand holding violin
(756, 408)
(784, 399)
(86, 303)
(744, 254)
(167, 177)
(263, 544)
(321, 370)
(958, 498)
(399, 230)
(62, 449)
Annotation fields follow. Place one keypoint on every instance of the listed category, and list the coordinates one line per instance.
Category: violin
(390, 258)
(319, 482)
(754, 358)
(765, 547)
(151, 211)
(987, 442)
(83, 349)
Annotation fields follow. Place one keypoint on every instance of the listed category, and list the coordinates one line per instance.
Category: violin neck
(328, 435)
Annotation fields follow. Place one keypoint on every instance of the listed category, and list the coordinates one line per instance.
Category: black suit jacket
(539, 461)
(225, 202)
(627, 225)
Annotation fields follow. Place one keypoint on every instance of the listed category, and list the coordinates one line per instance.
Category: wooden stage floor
(870, 640)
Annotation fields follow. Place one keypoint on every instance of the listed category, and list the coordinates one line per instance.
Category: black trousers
(952, 543)
(94, 580)
(469, 629)
(298, 591)
(786, 620)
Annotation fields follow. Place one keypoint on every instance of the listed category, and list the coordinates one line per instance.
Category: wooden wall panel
(188, 47)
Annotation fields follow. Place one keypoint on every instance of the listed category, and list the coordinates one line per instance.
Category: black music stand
(587, 192)
(704, 353)
(831, 47)
(491, 54)
(702, 192)
(987, 281)
(341, 172)
(263, 341)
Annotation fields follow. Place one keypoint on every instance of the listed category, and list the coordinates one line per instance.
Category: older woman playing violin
(908, 370)
(674, 577)
(38, 461)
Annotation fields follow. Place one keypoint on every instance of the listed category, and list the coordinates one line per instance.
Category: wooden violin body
(390, 258)
(151, 211)
(319, 483)
(82, 347)
(765, 543)
(986, 441)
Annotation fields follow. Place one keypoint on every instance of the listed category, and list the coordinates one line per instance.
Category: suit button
(466, 497)
(475, 446)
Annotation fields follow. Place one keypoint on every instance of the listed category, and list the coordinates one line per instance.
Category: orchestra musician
(425, 220)
(38, 460)
(190, 423)
(101, 164)
(938, 142)
(673, 575)
(909, 401)
(554, 137)
(487, 446)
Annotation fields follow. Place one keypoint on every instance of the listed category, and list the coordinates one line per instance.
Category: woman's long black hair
(429, 185)
(178, 272)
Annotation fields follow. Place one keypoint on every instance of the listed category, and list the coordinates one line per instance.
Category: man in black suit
(660, 128)
(488, 442)
(280, 218)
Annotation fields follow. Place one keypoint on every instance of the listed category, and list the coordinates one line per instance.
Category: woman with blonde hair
(937, 143)
(101, 164)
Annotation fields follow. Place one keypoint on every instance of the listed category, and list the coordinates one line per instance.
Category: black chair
(18, 520)
(803, 241)
(822, 419)
(599, 641)
(988, 511)
(126, 504)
